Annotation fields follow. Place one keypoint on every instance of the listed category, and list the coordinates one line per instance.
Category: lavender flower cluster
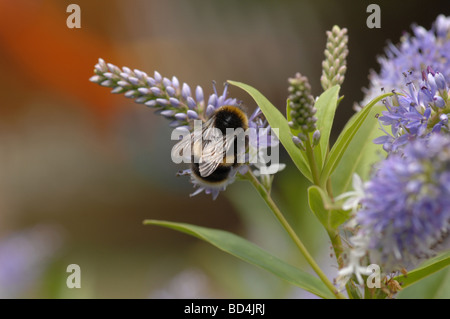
(406, 208)
(182, 105)
(415, 52)
(171, 99)
(417, 112)
(402, 214)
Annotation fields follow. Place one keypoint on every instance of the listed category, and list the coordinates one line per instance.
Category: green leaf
(329, 215)
(277, 120)
(326, 106)
(346, 137)
(435, 286)
(427, 268)
(360, 154)
(252, 254)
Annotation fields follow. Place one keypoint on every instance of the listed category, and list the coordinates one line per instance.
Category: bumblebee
(215, 151)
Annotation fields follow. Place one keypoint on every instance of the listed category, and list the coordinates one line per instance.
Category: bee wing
(209, 148)
(216, 151)
(210, 161)
(213, 150)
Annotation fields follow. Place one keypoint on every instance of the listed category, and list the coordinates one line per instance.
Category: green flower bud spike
(302, 104)
(335, 64)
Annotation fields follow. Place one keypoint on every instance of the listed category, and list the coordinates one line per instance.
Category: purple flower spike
(181, 108)
(406, 208)
(420, 48)
(415, 113)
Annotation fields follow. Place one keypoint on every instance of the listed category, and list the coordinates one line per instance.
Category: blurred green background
(80, 168)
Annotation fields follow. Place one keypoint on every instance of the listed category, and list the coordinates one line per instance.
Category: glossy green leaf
(427, 268)
(329, 215)
(277, 120)
(360, 154)
(326, 106)
(249, 252)
(435, 286)
(345, 138)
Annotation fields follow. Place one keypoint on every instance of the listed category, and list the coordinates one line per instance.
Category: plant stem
(330, 189)
(312, 162)
(334, 237)
(337, 246)
(269, 201)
